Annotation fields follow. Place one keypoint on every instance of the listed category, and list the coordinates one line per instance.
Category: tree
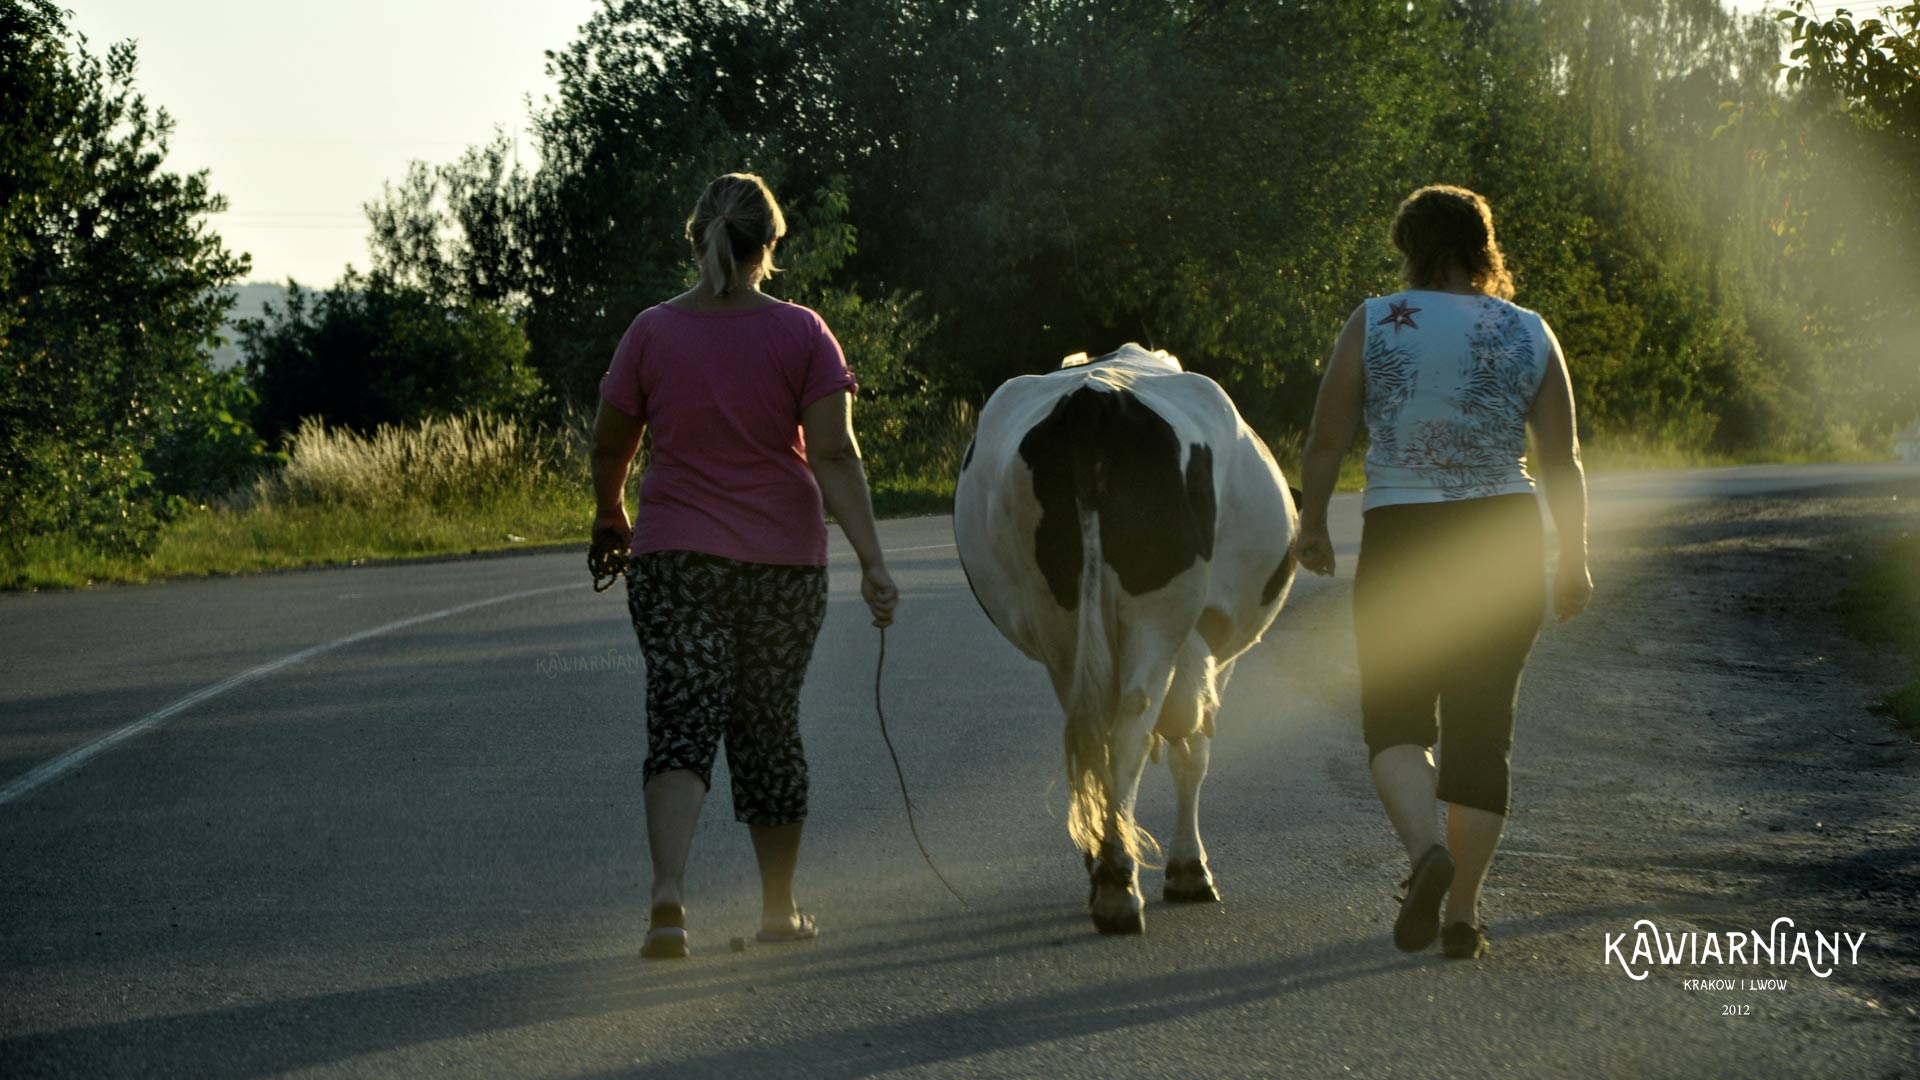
(371, 351)
(650, 106)
(1054, 175)
(908, 433)
(1850, 149)
(111, 293)
(460, 232)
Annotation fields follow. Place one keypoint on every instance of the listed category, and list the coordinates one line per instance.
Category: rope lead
(912, 826)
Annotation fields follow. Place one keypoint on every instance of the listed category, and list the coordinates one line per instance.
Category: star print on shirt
(1400, 313)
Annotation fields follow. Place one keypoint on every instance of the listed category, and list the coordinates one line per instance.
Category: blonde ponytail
(735, 217)
(716, 256)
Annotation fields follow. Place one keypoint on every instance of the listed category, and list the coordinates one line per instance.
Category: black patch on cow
(1049, 454)
(1282, 574)
(1200, 496)
(968, 458)
(1107, 452)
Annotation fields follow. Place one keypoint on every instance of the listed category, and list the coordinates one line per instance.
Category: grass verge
(913, 497)
(1629, 455)
(229, 540)
(475, 484)
(1883, 607)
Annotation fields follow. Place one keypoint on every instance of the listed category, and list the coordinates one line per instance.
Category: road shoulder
(1704, 754)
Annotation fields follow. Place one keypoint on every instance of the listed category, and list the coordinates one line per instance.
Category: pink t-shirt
(722, 392)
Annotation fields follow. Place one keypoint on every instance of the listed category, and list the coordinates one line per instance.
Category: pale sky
(303, 111)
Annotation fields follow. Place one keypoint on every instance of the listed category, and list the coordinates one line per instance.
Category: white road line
(80, 755)
(50, 771)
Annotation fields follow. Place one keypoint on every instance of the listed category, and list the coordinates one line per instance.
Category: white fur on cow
(1121, 524)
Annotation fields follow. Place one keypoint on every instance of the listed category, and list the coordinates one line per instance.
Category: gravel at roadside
(1705, 755)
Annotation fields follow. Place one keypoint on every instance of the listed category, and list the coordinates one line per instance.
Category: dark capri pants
(1447, 603)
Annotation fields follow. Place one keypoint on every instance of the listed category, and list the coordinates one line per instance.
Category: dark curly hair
(1441, 226)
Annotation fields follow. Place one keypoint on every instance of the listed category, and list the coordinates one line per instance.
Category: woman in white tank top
(1449, 377)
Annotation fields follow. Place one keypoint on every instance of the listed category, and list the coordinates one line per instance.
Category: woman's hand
(1313, 549)
(612, 529)
(877, 589)
(1572, 589)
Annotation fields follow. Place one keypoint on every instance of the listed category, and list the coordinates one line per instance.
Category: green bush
(913, 425)
(214, 448)
(371, 351)
(1883, 607)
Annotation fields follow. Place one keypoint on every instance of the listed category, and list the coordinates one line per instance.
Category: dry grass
(478, 482)
(473, 458)
(1624, 454)
(449, 486)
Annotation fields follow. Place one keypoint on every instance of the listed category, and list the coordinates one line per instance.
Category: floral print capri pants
(727, 645)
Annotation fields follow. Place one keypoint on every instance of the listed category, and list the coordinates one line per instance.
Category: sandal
(667, 936)
(807, 931)
(1464, 941)
(1419, 921)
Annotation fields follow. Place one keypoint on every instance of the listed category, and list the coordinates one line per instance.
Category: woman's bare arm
(1336, 419)
(1556, 445)
(616, 438)
(834, 455)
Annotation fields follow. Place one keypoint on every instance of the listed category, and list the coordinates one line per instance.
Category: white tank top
(1450, 379)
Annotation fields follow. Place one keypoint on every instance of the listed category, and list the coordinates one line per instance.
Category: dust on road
(1701, 751)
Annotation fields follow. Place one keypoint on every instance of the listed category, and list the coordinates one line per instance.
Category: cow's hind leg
(1188, 878)
(1186, 722)
(1116, 903)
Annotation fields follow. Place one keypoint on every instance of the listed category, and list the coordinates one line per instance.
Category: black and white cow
(1122, 525)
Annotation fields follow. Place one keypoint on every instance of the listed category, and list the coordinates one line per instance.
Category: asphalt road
(416, 847)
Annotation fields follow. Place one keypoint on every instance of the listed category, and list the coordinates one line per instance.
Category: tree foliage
(1216, 179)
(111, 293)
(371, 351)
(1848, 149)
(1729, 246)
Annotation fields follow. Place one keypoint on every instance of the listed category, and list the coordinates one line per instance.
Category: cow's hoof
(1123, 922)
(1189, 883)
(1190, 892)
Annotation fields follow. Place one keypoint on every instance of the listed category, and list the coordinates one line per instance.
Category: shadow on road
(274, 1037)
(929, 1038)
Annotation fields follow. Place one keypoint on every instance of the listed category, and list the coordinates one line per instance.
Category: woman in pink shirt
(749, 400)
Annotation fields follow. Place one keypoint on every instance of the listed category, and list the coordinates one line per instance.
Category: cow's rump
(1121, 525)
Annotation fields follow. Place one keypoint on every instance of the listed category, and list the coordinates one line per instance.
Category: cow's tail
(1091, 691)
(1089, 699)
